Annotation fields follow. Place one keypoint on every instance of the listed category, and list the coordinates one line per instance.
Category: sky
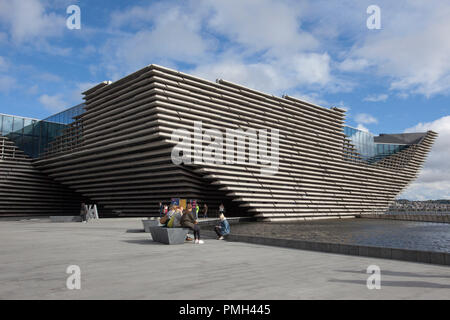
(390, 80)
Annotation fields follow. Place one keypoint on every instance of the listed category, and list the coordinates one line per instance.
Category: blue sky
(391, 80)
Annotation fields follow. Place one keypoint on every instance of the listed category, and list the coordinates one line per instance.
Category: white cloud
(261, 44)
(376, 98)
(413, 48)
(27, 20)
(262, 25)
(352, 65)
(365, 118)
(343, 106)
(171, 34)
(135, 16)
(4, 65)
(362, 128)
(53, 103)
(3, 37)
(33, 89)
(276, 78)
(7, 83)
(76, 95)
(49, 77)
(312, 97)
(434, 179)
(312, 68)
(89, 50)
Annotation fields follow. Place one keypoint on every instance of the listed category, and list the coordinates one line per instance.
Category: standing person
(188, 221)
(223, 228)
(205, 211)
(197, 209)
(221, 209)
(83, 212)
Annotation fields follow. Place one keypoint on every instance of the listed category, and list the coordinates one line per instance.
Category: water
(373, 232)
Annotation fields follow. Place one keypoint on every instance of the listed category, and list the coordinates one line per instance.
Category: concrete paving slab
(119, 261)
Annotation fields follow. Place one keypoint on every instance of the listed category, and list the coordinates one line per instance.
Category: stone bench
(149, 223)
(65, 218)
(169, 235)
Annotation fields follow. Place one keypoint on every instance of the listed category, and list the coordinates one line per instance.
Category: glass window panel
(27, 126)
(17, 124)
(7, 124)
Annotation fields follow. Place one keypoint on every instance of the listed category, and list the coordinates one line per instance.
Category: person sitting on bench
(188, 221)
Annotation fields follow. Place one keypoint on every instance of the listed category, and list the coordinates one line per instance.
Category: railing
(3, 149)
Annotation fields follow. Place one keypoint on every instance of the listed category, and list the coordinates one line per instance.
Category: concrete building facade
(118, 153)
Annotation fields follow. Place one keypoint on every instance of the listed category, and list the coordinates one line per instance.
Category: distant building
(428, 205)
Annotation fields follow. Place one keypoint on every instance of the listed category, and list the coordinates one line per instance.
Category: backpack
(163, 220)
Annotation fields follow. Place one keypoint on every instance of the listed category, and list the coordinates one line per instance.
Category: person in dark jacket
(205, 211)
(223, 228)
(188, 221)
(83, 212)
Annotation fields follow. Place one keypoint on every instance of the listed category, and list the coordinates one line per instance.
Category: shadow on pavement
(135, 231)
(144, 241)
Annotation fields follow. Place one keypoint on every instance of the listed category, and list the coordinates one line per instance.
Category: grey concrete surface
(169, 235)
(65, 218)
(149, 223)
(119, 261)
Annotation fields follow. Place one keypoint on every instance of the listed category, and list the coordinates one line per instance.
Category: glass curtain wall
(362, 140)
(66, 116)
(367, 148)
(31, 135)
(387, 149)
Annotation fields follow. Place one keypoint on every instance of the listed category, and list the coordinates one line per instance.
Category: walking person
(83, 213)
(188, 221)
(223, 228)
(205, 211)
(221, 209)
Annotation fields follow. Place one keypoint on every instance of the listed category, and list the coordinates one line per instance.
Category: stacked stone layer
(25, 191)
(120, 156)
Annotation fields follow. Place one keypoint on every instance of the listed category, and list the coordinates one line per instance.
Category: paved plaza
(118, 261)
